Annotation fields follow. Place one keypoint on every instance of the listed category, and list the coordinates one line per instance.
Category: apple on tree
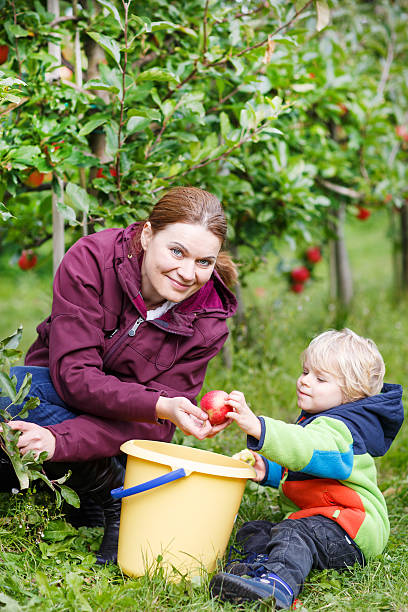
(214, 404)
(363, 213)
(4, 51)
(34, 179)
(27, 260)
(300, 274)
(313, 254)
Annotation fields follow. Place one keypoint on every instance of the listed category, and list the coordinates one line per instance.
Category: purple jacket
(103, 368)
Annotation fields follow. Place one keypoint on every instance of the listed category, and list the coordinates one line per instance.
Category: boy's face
(317, 391)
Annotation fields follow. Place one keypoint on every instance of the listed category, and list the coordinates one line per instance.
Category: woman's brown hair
(196, 207)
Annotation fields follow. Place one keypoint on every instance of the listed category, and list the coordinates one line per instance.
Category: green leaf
(12, 341)
(79, 197)
(150, 113)
(15, 30)
(95, 84)
(11, 605)
(30, 404)
(24, 389)
(25, 155)
(7, 387)
(303, 87)
(136, 124)
(158, 74)
(113, 10)
(5, 214)
(323, 15)
(70, 496)
(108, 44)
(91, 125)
(58, 530)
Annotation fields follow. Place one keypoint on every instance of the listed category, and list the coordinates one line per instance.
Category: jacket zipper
(131, 332)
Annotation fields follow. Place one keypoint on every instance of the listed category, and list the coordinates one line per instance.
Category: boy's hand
(243, 415)
(259, 467)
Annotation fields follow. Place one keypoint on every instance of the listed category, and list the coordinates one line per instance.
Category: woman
(137, 314)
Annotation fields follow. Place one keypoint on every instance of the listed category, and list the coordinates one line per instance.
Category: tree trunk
(404, 246)
(341, 282)
(58, 239)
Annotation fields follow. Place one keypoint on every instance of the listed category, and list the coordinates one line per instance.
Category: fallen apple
(246, 456)
(214, 404)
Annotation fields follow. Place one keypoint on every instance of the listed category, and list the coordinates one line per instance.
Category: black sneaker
(239, 589)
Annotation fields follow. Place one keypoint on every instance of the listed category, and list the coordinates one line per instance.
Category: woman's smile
(177, 261)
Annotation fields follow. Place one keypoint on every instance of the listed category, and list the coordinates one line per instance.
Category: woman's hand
(185, 415)
(243, 415)
(34, 437)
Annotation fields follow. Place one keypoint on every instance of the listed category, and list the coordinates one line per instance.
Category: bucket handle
(150, 484)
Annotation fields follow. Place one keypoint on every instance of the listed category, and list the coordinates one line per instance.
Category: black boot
(8, 478)
(95, 480)
(89, 514)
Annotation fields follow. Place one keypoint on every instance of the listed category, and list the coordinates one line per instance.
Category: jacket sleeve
(273, 474)
(77, 370)
(324, 448)
(89, 437)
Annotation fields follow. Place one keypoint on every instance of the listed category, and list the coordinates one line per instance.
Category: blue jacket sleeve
(273, 474)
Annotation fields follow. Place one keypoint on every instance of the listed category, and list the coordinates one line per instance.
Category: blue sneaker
(239, 589)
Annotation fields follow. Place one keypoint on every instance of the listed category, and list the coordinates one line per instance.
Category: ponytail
(227, 269)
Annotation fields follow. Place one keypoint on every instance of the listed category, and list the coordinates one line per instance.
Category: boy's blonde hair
(355, 361)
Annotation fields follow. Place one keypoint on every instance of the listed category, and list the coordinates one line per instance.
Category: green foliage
(28, 467)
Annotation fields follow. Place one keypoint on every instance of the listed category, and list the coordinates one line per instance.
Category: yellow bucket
(178, 508)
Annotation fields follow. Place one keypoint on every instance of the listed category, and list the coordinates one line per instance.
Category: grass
(47, 565)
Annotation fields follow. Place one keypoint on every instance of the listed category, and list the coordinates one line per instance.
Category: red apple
(313, 254)
(214, 404)
(4, 50)
(363, 213)
(27, 260)
(34, 179)
(300, 274)
(297, 287)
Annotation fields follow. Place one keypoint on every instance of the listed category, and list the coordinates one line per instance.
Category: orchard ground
(47, 565)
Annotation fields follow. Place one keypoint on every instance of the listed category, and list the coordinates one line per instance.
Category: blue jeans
(296, 546)
(51, 410)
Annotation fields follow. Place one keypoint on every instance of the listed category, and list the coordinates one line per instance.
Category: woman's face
(178, 260)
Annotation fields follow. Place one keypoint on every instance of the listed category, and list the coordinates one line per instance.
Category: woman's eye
(204, 262)
(321, 380)
(177, 252)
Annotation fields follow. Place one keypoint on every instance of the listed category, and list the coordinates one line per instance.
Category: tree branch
(340, 189)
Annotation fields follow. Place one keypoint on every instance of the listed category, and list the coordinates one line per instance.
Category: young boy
(335, 514)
